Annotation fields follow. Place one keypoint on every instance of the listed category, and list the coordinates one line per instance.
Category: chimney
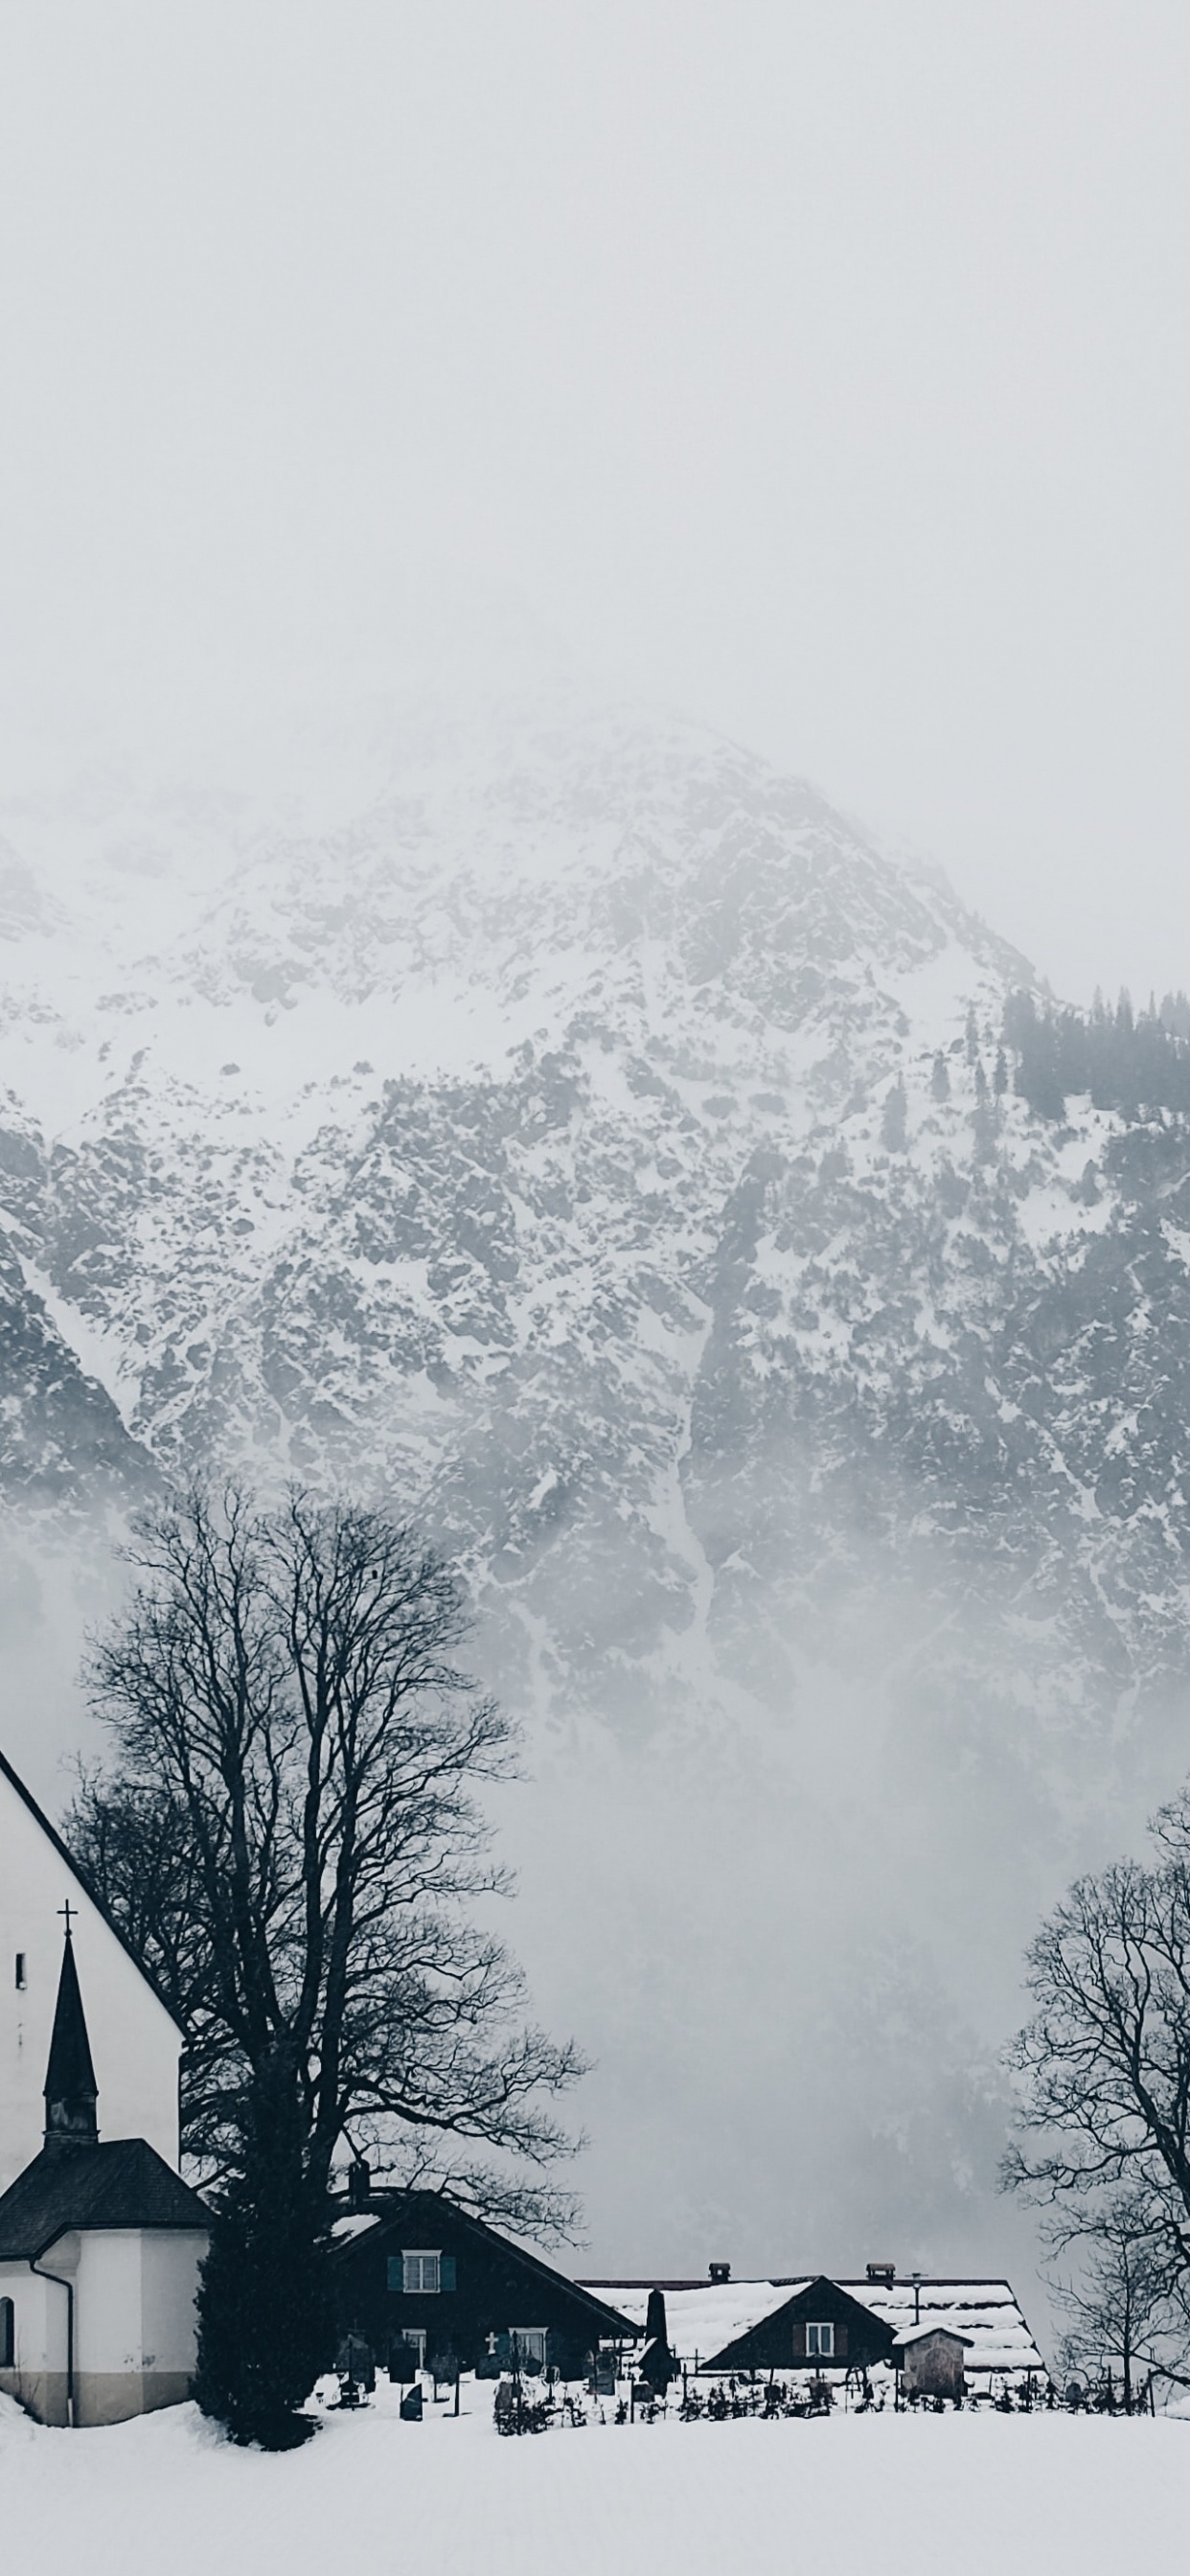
(885, 2273)
(720, 2272)
(359, 2183)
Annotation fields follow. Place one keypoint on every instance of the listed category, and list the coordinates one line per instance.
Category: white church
(100, 2239)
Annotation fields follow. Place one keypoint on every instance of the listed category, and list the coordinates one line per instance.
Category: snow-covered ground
(1068, 2495)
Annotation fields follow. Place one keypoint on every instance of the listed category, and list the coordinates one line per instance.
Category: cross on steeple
(68, 1909)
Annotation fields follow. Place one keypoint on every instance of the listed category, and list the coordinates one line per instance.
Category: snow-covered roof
(984, 2312)
(357, 2224)
(923, 2332)
(701, 2317)
(704, 2317)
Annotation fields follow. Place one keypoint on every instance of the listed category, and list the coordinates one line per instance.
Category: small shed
(932, 2360)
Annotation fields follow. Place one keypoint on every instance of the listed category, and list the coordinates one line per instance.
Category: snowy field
(1062, 2495)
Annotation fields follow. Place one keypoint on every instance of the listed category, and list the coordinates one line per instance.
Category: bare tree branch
(1103, 2130)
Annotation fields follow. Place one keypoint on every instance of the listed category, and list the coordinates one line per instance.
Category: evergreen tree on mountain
(893, 1131)
(1135, 1066)
(984, 1119)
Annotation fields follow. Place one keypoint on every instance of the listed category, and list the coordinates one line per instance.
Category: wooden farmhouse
(816, 2324)
(824, 2325)
(812, 2325)
(421, 2280)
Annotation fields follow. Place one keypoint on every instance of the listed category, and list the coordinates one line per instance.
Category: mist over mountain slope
(548, 1118)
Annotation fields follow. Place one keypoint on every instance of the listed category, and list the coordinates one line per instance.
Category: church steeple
(71, 2092)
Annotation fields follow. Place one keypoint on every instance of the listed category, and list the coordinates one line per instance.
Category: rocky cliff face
(554, 1121)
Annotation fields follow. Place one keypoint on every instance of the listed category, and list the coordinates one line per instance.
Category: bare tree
(1118, 2295)
(290, 1835)
(1105, 2060)
(1104, 2120)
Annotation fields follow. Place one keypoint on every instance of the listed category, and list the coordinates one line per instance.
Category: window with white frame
(527, 2345)
(422, 2272)
(820, 2342)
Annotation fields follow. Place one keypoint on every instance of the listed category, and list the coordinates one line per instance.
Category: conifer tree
(984, 1116)
(892, 1124)
(266, 2318)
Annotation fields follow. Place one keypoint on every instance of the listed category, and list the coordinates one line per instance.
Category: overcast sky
(821, 365)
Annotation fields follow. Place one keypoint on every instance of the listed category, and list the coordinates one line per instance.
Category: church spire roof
(71, 2092)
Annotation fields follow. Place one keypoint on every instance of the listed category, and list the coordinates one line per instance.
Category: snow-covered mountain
(551, 1119)
(334, 1138)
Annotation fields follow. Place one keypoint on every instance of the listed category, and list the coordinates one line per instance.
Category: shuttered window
(422, 2274)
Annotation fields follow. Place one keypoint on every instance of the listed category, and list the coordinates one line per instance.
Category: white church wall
(169, 2289)
(110, 2303)
(134, 2043)
(136, 2326)
(38, 2378)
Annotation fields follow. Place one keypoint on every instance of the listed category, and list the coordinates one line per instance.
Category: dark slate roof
(64, 1853)
(123, 2184)
(70, 2075)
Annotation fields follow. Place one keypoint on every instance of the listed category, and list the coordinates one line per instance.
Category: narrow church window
(7, 2334)
(20, 1979)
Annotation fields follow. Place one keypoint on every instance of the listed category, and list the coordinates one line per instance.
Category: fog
(786, 1925)
(817, 370)
(821, 368)
(787, 1913)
